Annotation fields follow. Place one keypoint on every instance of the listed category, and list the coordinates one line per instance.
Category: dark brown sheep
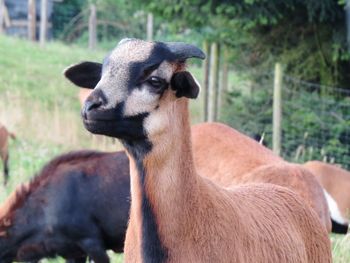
(77, 206)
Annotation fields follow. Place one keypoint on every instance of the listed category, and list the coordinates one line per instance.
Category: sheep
(230, 157)
(289, 175)
(141, 98)
(336, 184)
(77, 206)
(4, 151)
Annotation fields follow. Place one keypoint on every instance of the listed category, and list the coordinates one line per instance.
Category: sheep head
(134, 86)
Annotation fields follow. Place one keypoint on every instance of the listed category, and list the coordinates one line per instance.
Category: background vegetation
(307, 37)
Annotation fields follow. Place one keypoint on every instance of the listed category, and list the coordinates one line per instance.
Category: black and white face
(135, 87)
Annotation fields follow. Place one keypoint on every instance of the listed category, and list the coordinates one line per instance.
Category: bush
(314, 126)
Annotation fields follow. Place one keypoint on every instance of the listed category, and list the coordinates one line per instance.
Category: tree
(308, 37)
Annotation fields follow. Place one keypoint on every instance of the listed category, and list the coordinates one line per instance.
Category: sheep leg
(94, 249)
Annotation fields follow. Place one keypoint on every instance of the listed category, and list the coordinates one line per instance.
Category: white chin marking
(334, 209)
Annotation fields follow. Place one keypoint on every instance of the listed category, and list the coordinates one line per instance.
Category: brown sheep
(4, 151)
(176, 215)
(336, 183)
(230, 157)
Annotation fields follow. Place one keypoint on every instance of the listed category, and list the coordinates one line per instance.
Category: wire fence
(315, 118)
(316, 122)
(75, 21)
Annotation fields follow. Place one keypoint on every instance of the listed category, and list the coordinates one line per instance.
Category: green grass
(341, 248)
(36, 73)
(41, 107)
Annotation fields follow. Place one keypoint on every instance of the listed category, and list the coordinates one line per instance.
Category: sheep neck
(163, 179)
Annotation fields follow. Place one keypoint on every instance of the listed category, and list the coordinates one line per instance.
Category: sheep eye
(156, 82)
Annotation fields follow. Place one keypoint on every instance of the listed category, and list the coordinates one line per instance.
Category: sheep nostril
(91, 105)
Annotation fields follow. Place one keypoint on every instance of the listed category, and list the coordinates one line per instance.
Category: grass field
(41, 107)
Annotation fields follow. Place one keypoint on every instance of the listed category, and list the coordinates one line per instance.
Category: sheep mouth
(130, 128)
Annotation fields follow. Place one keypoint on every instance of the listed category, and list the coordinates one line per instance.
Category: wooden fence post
(217, 85)
(224, 78)
(212, 81)
(277, 110)
(2, 15)
(31, 20)
(149, 26)
(206, 80)
(43, 22)
(92, 27)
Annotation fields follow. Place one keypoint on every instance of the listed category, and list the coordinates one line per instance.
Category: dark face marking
(111, 123)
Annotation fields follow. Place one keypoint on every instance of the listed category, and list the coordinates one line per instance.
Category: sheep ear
(185, 85)
(85, 74)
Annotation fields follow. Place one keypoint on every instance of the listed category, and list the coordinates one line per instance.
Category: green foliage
(340, 251)
(116, 19)
(119, 19)
(314, 125)
(309, 37)
(63, 13)
(248, 108)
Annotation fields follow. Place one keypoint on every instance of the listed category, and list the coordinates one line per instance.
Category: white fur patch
(156, 122)
(334, 209)
(140, 101)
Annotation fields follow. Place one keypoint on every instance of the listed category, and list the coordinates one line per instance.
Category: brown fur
(336, 181)
(229, 157)
(199, 221)
(4, 151)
